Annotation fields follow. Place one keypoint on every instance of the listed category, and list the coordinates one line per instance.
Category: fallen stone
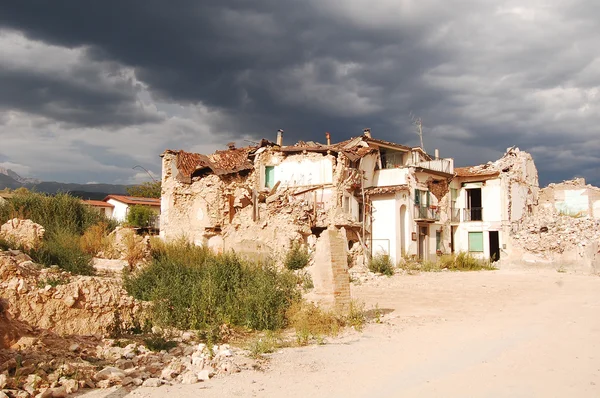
(189, 378)
(59, 392)
(3, 380)
(3, 395)
(152, 382)
(203, 375)
(109, 372)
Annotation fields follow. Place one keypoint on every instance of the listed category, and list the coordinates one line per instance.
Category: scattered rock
(152, 382)
(22, 233)
(109, 372)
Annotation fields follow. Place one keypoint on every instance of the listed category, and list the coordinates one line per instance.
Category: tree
(140, 216)
(145, 190)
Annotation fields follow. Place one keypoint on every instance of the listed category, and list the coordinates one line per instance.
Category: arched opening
(403, 230)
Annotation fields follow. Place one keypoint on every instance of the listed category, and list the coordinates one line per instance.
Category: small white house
(103, 207)
(121, 204)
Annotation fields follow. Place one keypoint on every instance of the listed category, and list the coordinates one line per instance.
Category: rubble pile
(22, 233)
(47, 365)
(56, 300)
(550, 231)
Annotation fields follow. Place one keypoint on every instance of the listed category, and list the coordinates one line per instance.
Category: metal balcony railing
(427, 213)
(454, 215)
(473, 214)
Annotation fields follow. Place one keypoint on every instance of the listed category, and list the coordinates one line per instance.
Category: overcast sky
(90, 89)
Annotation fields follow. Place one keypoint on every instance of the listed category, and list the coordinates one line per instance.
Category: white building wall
(119, 211)
(491, 200)
(389, 177)
(301, 172)
(384, 226)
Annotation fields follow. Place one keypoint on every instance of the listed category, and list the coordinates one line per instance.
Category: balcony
(454, 215)
(439, 165)
(390, 177)
(473, 214)
(429, 214)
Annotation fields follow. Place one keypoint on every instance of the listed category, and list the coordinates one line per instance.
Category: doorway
(403, 230)
(422, 242)
(494, 245)
(452, 232)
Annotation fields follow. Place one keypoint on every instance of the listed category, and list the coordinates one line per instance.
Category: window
(476, 242)
(269, 176)
(346, 204)
(438, 241)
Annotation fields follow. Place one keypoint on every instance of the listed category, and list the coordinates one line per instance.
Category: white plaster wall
(119, 211)
(384, 226)
(367, 164)
(596, 209)
(301, 172)
(518, 198)
(388, 177)
(491, 200)
(576, 201)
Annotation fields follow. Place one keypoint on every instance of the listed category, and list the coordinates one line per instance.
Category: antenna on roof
(418, 122)
(143, 168)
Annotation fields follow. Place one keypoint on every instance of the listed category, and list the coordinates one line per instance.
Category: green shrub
(192, 288)
(464, 261)
(63, 248)
(381, 264)
(58, 212)
(140, 216)
(65, 219)
(297, 257)
(158, 343)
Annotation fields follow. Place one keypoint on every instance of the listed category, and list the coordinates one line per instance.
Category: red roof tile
(97, 203)
(134, 200)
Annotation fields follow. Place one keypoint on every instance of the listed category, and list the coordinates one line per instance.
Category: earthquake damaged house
(378, 196)
(257, 200)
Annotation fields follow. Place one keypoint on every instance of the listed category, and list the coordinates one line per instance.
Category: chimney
(231, 145)
(280, 137)
(367, 132)
(328, 138)
(437, 154)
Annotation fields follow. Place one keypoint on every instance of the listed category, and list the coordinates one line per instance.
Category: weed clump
(65, 219)
(192, 288)
(381, 264)
(297, 257)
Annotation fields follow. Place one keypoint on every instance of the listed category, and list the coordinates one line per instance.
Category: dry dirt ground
(484, 334)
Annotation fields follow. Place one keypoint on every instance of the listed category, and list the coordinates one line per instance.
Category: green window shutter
(454, 194)
(428, 199)
(476, 241)
(269, 176)
(417, 197)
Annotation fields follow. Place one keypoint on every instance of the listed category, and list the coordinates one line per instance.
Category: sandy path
(485, 334)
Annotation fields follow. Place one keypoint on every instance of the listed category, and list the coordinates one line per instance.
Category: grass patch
(65, 219)
(192, 288)
(52, 281)
(311, 322)
(449, 262)
(297, 257)
(381, 264)
(159, 343)
(266, 343)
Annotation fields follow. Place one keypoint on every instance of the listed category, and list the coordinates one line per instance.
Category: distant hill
(10, 179)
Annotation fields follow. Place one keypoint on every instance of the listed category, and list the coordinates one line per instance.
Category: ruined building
(381, 197)
(257, 200)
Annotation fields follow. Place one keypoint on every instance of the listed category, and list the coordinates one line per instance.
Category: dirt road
(484, 334)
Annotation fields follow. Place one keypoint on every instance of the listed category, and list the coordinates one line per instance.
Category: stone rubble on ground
(37, 306)
(22, 233)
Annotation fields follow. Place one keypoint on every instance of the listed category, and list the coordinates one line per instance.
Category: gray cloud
(483, 75)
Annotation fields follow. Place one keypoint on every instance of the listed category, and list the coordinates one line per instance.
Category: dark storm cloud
(70, 101)
(482, 74)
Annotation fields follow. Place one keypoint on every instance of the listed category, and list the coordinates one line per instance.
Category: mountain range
(12, 180)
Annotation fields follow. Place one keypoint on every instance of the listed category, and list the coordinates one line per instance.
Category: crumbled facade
(382, 197)
(258, 200)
